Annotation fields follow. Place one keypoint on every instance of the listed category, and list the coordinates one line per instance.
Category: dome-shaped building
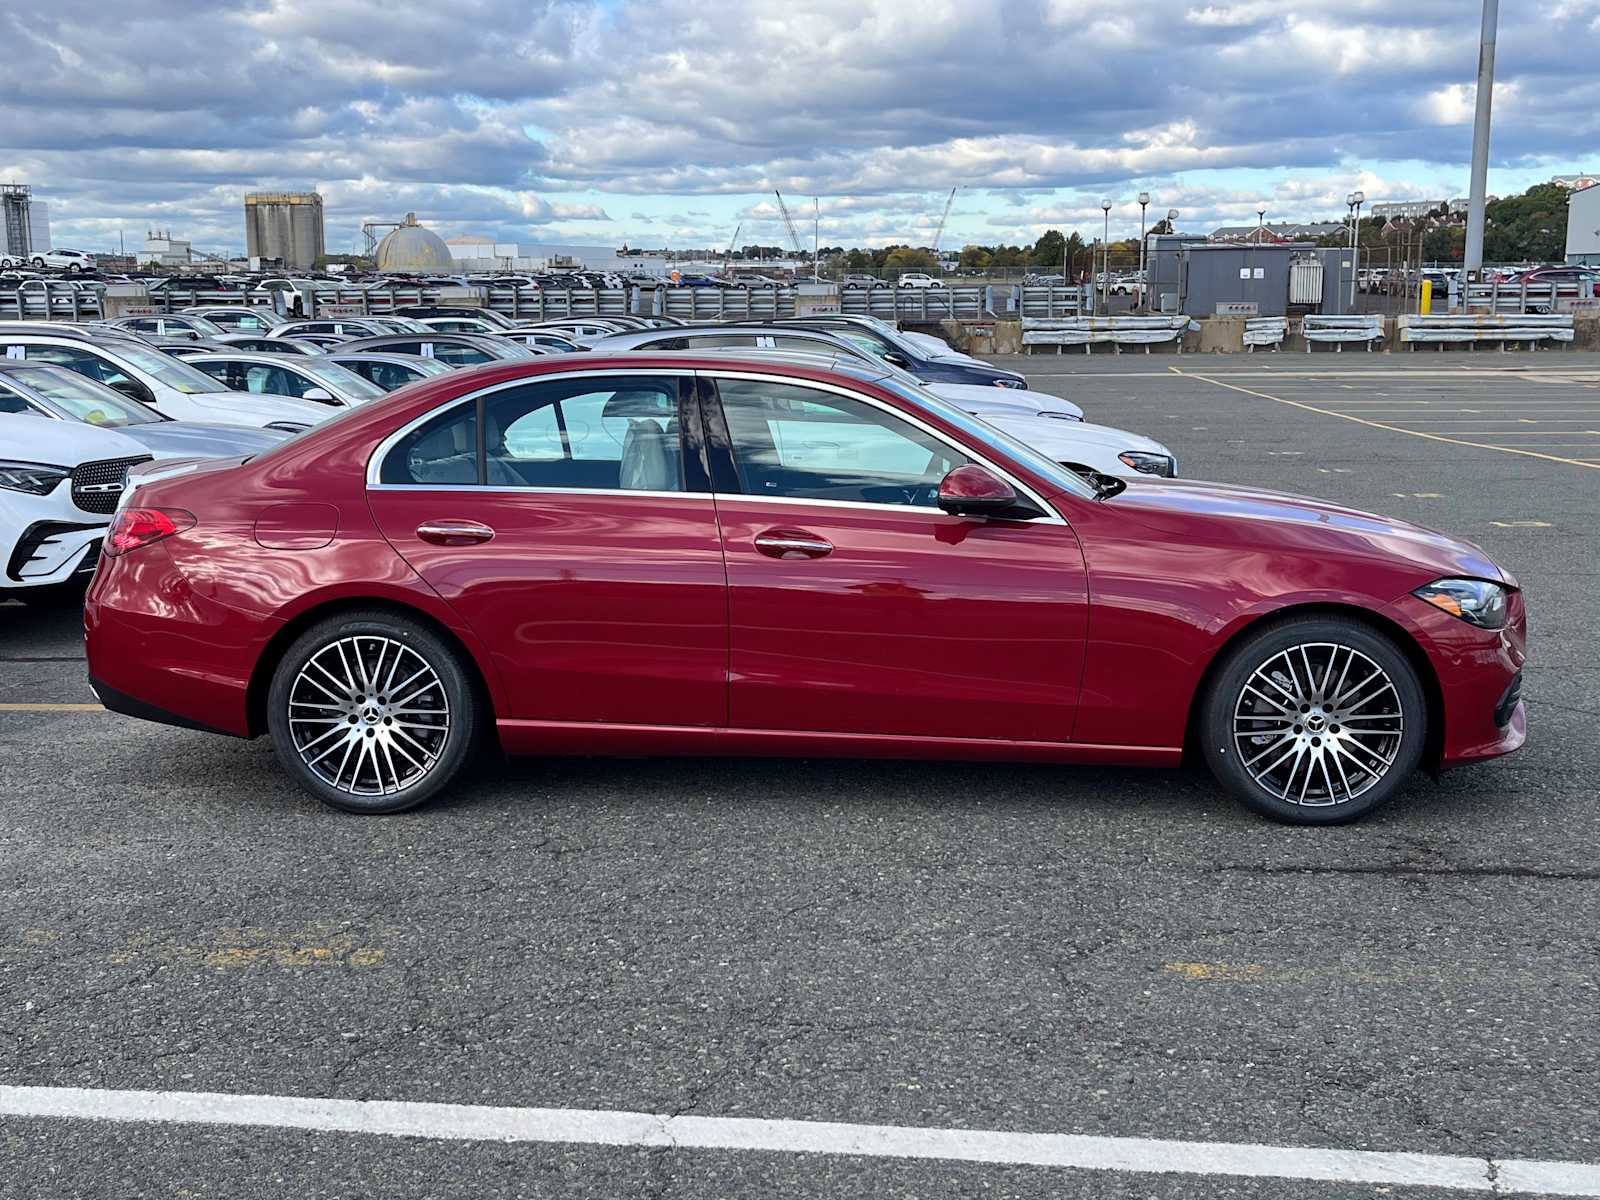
(413, 250)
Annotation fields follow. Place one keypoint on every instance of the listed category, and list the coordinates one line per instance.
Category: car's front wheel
(372, 712)
(38, 262)
(1315, 720)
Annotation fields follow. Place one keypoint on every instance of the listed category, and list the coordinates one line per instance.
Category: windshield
(84, 399)
(203, 325)
(176, 374)
(985, 433)
(344, 380)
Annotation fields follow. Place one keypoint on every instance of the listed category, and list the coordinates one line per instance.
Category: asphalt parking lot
(1036, 950)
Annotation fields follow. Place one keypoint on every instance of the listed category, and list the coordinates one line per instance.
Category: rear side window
(460, 356)
(612, 434)
(440, 452)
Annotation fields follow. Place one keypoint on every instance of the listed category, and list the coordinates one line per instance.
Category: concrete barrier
(1118, 332)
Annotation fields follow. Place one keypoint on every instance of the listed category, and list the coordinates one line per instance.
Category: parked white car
(918, 279)
(167, 384)
(1083, 446)
(71, 260)
(59, 484)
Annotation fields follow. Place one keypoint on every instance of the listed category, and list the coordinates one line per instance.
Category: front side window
(84, 363)
(800, 443)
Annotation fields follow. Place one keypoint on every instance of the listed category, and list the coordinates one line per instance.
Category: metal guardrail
(1526, 298)
(1366, 327)
(710, 304)
(1265, 331)
(49, 300)
(1485, 327)
(1073, 301)
(925, 305)
(1118, 331)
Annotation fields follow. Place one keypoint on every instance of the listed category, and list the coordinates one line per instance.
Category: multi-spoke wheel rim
(1318, 724)
(369, 715)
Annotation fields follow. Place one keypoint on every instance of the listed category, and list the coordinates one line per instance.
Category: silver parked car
(57, 394)
(312, 379)
(389, 371)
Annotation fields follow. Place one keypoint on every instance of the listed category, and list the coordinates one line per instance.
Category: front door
(857, 606)
(559, 519)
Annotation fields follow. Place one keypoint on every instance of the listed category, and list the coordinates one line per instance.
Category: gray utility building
(286, 226)
(1274, 280)
(1583, 227)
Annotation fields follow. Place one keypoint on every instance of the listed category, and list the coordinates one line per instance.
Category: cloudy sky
(666, 122)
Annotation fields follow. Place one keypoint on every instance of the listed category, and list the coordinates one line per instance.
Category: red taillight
(135, 527)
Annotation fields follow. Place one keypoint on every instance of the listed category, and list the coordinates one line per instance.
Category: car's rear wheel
(38, 262)
(1315, 720)
(372, 712)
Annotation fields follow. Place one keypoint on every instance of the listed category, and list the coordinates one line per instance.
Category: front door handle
(786, 543)
(454, 533)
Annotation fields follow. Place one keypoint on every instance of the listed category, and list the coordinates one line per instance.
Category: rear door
(855, 604)
(564, 522)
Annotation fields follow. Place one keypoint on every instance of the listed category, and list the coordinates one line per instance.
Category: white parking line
(473, 1122)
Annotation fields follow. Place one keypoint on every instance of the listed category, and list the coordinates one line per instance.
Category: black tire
(442, 754)
(38, 261)
(1315, 738)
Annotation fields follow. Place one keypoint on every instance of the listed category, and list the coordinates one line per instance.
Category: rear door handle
(454, 533)
(783, 543)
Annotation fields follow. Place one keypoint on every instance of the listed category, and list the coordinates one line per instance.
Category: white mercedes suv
(59, 486)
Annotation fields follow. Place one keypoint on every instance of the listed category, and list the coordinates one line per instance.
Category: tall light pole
(1144, 290)
(1355, 200)
(1472, 259)
(1261, 224)
(1105, 256)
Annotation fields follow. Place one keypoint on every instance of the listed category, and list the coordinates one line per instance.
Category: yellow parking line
(52, 708)
(1433, 437)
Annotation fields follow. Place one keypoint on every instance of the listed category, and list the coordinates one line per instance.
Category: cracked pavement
(1072, 950)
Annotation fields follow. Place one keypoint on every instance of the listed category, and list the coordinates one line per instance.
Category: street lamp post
(1355, 200)
(1261, 225)
(1105, 256)
(1144, 289)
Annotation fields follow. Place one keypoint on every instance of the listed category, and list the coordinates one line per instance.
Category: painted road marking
(53, 708)
(603, 1127)
(1434, 437)
(1522, 524)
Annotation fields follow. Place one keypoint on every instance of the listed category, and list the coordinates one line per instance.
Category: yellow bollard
(1427, 297)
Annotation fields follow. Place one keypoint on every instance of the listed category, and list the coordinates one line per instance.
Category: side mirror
(134, 390)
(321, 395)
(895, 359)
(972, 490)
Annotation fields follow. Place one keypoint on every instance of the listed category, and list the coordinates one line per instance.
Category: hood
(1258, 517)
(981, 399)
(191, 439)
(30, 438)
(258, 408)
(1059, 439)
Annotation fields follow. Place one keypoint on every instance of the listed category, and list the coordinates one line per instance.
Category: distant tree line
(1531, 227)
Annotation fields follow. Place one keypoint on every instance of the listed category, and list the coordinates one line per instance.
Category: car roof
(260, 356)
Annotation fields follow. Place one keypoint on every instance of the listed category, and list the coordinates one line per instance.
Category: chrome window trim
(501, 489)
(1051, 517)
(375, 461)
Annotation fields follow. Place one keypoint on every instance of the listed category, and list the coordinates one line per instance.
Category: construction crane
(794, 236)
(727, 259)
(938, 231)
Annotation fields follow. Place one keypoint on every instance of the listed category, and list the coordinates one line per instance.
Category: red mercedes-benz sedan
(729, 555)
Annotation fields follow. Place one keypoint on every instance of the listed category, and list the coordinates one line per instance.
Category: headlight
(1146, 463)
(1062, 416)
(37, 479)
(1009, 383)
(1475, 601)
(288, 427)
